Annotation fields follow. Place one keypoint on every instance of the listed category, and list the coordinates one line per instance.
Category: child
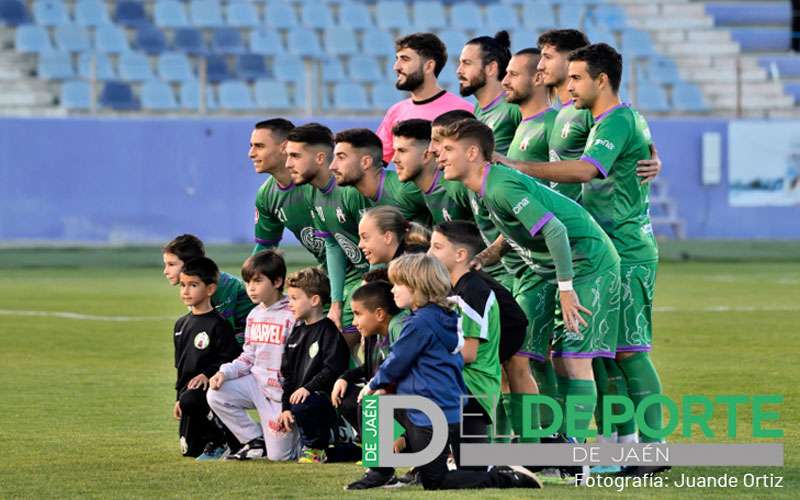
(315, 356)
(425, 361)
(253, 379)
(230, 299)
(203, 341)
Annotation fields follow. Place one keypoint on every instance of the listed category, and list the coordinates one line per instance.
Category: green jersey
(617, 199)
(406, 196)
(568, 140)
(531, 140)
(232, 303)
(288, 207)
(511, 263)
(447, 200)
(396, 325)
(503, 118)
(520, 207)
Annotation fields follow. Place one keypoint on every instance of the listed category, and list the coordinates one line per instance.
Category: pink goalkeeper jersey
(429, 109)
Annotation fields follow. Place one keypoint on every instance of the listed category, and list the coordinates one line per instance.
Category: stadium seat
(55, 66)
(377, 42)
(448, 74)
(289, 69)
(349, 97)
(750, 13)
(189, 40)
(150, 40)
(651, 97)
(272, 94)
(762, 39)
(355, 16)
(522, 38)
(303, 42)
(793, 89)
(687, 97)
(538, 15)
(91, 13)
(787, 66)
(467, 16)
(392, 14)
(103, 70)
(280, 15)
(158, 96)
(340, 41)
(110, 39)
(235, 95)
(316, 16)
(365, 69)
(636, 43)
(50, 12)
(609, 16)
(119, 96)
(175, 67)
(206, 14)
(32, 38)
(135, 67)
(663, 70)
(251, 67)
(265, 41)
(332, 70)
(13, 13)
(501, 17)
(454, 40)
(385, 96)
(600, 34)
(227, 41)
(131, 13)
(76, 95)
(217, 68)
(72, 38)
(570, 16)
(242, 15)
(190, 97)
(429, 15)
(171, 14)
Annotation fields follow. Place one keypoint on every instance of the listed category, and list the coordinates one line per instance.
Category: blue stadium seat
(272, 94)
(158, 96)
(190, 96)
(72, 38)
(538, 15)
(206, 14)
(265, 41)
(428, 15)
(171, 14)
(91, 13)
(637, 43)
(189, 40)
(448, 74)
(687, 97)
(663, 70)
(355, 16)
(227, 41)
(119, 96)
(251, 67)
(340, 41)
(151, 40)
(467, 16)
(55, 66)
(750, 13)
(242, 15)
(609, 16)
(600, 34)
(135, 67)
(377, 42)
(235, 95)
(651, 97)
(501, 17)
(385, 96)
(316, 16)
(280, 15)
(392, 14)
(303, 42)
(793, 89)
(76, 94)
(110, 39)
(332, 70)
(570, 16)
(365, 69)
(13, 13)
(788, 66)
(50, 12)
(175, 67)
(454, 40)
(32, 38)
(762, 39)
(103, 70)
(131, 13)
(522, 38)
(287, 68)
(217, 68)
(350, 97)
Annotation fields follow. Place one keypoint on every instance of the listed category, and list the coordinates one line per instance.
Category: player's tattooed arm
(491, 254)
(648, 170)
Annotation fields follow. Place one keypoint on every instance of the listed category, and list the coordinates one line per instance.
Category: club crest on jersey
(313, 350)
(351, 251)
(340, 215)
(313, 243)
(566, 129)
(201, 340)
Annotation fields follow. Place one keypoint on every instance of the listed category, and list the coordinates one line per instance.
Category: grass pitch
(87, 398)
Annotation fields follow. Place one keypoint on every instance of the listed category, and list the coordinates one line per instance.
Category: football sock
(643, 381)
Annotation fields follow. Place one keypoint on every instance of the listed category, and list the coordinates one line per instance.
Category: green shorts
(635, 324)
(600, 294)
(537, 298)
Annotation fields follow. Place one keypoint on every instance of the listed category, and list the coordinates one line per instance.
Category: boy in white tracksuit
(253, 379)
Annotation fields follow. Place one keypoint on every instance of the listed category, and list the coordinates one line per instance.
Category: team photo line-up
(509, 253)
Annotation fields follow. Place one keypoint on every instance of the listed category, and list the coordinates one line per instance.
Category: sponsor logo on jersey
(201, 340)
(264, 332)
(313, 350)
(520, 205)
(350, 250)
(606, 143)
(565, 129)
(340, 215)
(311, 242)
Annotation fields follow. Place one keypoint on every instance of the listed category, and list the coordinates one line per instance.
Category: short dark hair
(413, 128)
(494, 49)
(475, 130)
(313, 134)
(185, 247)
(278, 126)
(363, 138)
(427, 45)
(377, 274)
(534, 53)
(312, 281)
(203, 268)
(462, 233)
(269, 263)
(601, 58)
(376, 295)
(450, 117)
(563, 40)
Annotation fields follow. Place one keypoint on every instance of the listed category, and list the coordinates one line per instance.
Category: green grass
(87, 404)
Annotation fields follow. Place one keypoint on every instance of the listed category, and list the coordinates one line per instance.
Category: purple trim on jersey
(583, 355)
(596, 164)
(604, 114)
(635, 348)
(435, 182)
(537, 115)
(287, 188)
(532, 355)
(568, 103)
(322, 234)
(329, 186)
(539, 225)
(485, 178)
(494, 101)
(350, 330)
(381, 182)
(267, 242)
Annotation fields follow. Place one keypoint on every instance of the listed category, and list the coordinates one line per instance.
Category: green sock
(643, 381)
(563, 388)
(516, 418)
(601, 383)
(502, 422)
(582, 388)
(545, 377)
(617, 385)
